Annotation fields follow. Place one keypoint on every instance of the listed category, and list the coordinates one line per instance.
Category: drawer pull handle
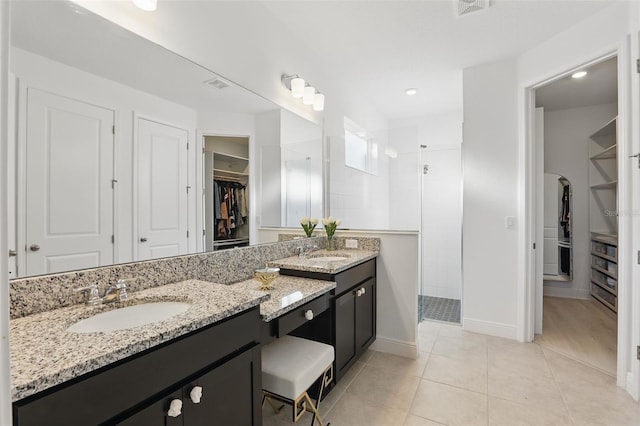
(175, 408)
(196, 394)
(308, 314)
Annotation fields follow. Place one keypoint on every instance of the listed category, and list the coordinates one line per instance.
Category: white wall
(360, 199)
(45, 74)
(5, 378)
(566, 152)
(490, 166)
(397, 284)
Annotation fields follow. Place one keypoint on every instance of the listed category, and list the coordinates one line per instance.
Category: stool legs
(303, 402)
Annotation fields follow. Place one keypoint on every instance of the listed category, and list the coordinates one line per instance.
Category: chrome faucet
(115, 293)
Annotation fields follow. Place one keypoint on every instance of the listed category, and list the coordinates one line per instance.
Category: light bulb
(148, 5)
(297, 87)
(309, 94)
(318, 102)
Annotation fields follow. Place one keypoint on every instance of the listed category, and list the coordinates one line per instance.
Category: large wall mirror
(125, 151)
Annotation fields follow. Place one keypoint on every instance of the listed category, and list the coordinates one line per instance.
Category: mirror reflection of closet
(558, 254)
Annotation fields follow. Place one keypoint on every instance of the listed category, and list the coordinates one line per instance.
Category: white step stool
(290, 365)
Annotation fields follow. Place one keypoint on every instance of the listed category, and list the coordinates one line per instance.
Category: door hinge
(638, 352)
(187, 234)
(187, 146)
(638, 65)
(113, 239)
(534, 246)
(204, 233)
(188, 188)
(113, 183)
(638, 257)
(113, 129)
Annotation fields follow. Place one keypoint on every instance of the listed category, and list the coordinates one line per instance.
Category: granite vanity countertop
(313, 262)
(287, 294)
(44, 354)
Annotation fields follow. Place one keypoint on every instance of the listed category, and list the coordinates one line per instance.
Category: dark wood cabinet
(353, 313)
(223, 358)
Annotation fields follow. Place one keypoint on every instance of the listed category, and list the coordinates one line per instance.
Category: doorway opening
(439, 298)
(576, 215)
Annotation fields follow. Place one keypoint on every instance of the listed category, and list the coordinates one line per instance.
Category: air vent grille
(465, 7)
(218, 83)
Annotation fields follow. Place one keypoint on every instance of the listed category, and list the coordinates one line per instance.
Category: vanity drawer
(294, 319)
(354, 276)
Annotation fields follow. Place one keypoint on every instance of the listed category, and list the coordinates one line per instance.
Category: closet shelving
(226, 162)
(603, 220)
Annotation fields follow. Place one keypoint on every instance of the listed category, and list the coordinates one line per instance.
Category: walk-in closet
(226, 165)
(576, 138)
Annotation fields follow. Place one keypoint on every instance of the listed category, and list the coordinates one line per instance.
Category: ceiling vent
(465, 7)
(218, 83)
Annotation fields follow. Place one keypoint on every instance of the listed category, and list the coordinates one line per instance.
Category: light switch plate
(351, 243)
(510, 222)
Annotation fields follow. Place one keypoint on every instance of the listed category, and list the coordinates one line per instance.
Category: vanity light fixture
(411, 91)
(147, 5)
(579, 74)
(302, 89)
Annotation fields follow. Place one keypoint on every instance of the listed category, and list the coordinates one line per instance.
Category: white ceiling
(599, 86)
(379, 48)
(383, 47)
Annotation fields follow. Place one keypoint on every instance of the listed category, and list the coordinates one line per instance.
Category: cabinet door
(345, 322)
(365, 315)
(156, 414)
(228, 396)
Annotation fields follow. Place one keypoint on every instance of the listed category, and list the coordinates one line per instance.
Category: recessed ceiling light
(410, 92)
(579, 74)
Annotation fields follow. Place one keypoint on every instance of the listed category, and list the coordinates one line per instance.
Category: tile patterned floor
(439, 309)
(469, 379)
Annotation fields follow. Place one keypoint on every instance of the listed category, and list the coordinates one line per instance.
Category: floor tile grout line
(555, 380)
(421, 378)
(487, 387)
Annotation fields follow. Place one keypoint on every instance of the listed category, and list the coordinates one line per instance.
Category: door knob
(143, 240)
(34, 247)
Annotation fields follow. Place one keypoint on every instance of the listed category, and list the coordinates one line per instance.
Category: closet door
(162, 172)
(69, 195)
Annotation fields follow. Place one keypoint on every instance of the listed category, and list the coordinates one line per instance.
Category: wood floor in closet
(582, 330)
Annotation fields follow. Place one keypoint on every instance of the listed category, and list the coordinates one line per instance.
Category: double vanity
(124, 363)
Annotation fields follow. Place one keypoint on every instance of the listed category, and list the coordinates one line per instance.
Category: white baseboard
(490, 328)
(570, 293)
(395, 347)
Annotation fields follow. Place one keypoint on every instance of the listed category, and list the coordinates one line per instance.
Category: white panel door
(69, 195)
(162, 190)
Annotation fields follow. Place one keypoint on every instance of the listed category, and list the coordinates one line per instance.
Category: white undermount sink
(129, 317)
(329, 258)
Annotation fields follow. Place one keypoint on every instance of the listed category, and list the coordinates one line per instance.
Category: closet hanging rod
(228, 178)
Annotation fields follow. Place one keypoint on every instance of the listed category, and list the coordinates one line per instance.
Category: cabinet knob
(196, 394)
(308, 314)
(363, 290)
(359, 292)
(175, 408)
